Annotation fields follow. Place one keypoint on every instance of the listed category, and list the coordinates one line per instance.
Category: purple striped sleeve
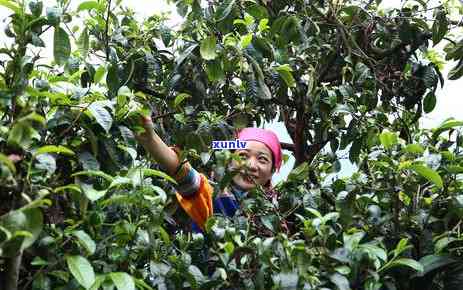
(188, 180)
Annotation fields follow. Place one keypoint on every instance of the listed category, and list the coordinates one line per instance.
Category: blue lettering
(231, 144)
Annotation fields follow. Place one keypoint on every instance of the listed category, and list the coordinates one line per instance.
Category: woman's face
(258, 159)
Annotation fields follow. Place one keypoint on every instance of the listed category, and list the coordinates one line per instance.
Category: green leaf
(20, 135)
(86, 241)
(402, 246)
(41, 282)
(164, 235)
(208, 47)
(61, 46)
(434, 262)
(83, 42)
(286, 280)
(152, 172)
(215, 71)
(28, 220)
(427, 173)
(267, 221)
(285, 72)
(98, 282)
(112, 79)
(166, 35)
(246, 40)
(12, 6)
(414, 149)
(4, 235)
(99, 74)
(102, 116)
(352, 241)
(54, 149)
(119, 180)
(446, 125)
(341, 282)
(179, 61)
(263, 46)
(5, 160)
(440, 27)
(22, 132)
(123, 281)
(91, 193)
(99, 173)
(37, 41)
(315, 212)
(443, 243)
(89, 5)
(455, 169)
(142, 285)
(54, 15)
(404, 198)
(456, 72)
(82, 270)
(32, 117)
(180, 98)
(429, 102)
(88, 161)
(355, 149)
(39, 262)
(196, 275)
(224, 10)
(73, 187)
(263, 25)
(263, 90)
(407, 263)
(374, 250)
(388, 139)
(46, 162)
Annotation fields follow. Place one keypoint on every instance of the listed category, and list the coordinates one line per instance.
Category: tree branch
(12, 274)
(287, 146)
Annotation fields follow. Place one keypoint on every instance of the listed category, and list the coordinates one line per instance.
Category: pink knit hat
(267, 137)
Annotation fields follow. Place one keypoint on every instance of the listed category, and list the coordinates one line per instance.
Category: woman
(195, 193)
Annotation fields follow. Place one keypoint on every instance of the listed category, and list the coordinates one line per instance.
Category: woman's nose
(252, 164)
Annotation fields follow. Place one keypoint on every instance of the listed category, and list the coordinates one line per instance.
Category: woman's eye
(263, 160)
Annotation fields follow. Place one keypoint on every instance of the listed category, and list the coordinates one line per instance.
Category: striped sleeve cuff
(188, 180)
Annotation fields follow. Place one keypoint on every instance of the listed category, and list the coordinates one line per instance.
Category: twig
(70, 32)
(164, 115)
(75, 121)
(287, 146)
(106, 32)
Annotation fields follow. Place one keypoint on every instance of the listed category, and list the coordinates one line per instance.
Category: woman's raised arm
(158, 150)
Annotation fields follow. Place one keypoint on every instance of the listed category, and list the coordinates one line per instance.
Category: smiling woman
(261, 156)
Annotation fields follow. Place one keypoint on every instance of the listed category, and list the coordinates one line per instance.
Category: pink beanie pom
(269, 138)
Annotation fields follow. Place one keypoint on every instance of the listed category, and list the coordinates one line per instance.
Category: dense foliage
(82, 207)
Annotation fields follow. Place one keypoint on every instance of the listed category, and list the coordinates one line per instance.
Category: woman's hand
(154, 145)
(146, 137)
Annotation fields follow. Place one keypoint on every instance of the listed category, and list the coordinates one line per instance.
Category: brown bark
(299, 139)
(12, 272)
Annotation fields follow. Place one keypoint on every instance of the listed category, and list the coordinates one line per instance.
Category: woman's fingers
(147, 122)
